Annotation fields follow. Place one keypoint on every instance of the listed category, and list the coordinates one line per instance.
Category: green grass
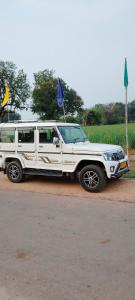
(130, 175)
(111, 134)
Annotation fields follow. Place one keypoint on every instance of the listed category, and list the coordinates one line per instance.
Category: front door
(49, 156)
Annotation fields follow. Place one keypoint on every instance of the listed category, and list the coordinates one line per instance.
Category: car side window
(7, 135)
(26, 135)
(46, 135)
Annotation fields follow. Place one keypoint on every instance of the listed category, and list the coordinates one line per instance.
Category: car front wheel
(92, 178)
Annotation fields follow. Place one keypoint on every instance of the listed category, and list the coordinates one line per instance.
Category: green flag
(125, 74)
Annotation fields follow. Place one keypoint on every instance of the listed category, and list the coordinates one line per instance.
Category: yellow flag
(6, 96)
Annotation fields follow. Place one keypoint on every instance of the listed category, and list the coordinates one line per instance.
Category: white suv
(57, 149)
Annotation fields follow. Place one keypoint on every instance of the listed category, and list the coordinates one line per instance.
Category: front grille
(118, 155)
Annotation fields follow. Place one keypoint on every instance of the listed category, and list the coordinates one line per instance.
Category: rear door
(7, 140)
(26, 146)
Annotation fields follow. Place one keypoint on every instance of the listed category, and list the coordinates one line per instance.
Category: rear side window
(7, 135)
(26, 135)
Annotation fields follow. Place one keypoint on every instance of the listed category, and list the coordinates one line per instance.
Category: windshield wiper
(80, 141)
(75, 140)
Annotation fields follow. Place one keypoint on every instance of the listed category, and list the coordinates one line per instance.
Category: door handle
(19, 146)
(40, 146)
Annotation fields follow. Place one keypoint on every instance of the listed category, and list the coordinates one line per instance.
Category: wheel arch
(10, 159)
(84, 163)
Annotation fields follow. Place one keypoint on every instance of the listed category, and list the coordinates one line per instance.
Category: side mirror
(56, 141)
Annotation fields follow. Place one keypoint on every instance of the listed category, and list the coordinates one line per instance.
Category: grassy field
(111, 134)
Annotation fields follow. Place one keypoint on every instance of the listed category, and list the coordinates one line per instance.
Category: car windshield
(72, 134)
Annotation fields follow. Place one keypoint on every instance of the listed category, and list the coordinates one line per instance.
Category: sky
(84, 41)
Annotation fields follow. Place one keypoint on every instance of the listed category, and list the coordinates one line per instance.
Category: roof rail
(25, 121)
(30, 121)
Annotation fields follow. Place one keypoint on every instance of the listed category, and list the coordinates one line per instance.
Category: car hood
(95, 147)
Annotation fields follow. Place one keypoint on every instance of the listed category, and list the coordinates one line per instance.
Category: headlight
(108, 156)
(114, 156)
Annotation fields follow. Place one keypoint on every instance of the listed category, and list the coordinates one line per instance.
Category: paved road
(62, 248)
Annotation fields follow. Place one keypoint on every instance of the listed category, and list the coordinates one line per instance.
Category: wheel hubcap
(14, 172)
(91, 179)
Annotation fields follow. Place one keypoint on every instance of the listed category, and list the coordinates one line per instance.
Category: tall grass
(111, 134)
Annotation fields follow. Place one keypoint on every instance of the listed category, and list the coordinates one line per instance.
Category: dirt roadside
(132, 159)
(119, 190)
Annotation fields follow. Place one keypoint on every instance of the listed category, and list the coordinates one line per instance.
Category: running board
(29, 171)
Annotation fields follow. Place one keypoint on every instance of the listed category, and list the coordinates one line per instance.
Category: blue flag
(60, 95)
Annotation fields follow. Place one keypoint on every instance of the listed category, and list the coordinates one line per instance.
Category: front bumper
(116, 169)
(119, 171)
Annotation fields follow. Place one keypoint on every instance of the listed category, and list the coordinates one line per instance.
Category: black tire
(14, 172)
(92, 178)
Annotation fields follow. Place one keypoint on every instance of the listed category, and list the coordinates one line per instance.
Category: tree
(100, 110)
(19, 88)
(10, 116)
(111, 113)
(114, 113)
(131, 111)
(45, 94)
(93, 117)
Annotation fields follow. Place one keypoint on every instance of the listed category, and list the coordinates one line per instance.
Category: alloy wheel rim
(14, 172)
(91, 179)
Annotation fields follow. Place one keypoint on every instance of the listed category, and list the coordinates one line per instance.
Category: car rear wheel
(92, 178)
(14, 172)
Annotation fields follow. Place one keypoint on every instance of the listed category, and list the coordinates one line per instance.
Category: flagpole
(126, 119)
(64, 112)
(8, 114)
